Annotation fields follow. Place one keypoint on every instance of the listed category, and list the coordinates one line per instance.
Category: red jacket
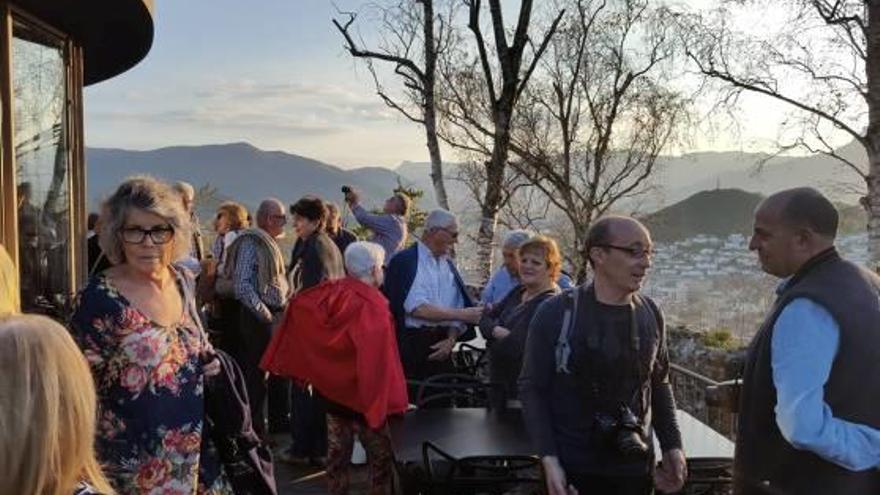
(339, 336)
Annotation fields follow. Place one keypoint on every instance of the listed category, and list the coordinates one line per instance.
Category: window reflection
(42, 170)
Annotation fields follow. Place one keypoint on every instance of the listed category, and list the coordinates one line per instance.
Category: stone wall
(704, 366)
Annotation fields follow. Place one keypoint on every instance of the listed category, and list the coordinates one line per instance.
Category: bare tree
(600, 110)
(414, 36)
(822, 60)
(478, 107)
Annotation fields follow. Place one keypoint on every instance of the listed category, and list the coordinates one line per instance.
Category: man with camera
(595, 379)
(389, 227)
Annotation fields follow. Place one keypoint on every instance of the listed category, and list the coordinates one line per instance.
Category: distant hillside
(239, 171)
(719, 212)
(722, 212)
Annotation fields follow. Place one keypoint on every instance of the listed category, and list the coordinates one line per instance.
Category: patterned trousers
(340, 442)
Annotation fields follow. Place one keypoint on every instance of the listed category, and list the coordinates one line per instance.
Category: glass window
(42, 169)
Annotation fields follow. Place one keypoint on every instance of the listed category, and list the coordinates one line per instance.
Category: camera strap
(569, 318)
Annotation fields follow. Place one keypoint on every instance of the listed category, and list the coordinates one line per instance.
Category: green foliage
(416, 219)
(719, 338)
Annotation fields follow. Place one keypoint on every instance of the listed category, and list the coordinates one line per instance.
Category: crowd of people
(170, 347)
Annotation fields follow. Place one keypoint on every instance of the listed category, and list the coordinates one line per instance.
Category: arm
(382, 224)
(662, 400)
(671, 475)
(536, 379)
(245, 277)
(491, 319)
(803, 349)
(418, 304)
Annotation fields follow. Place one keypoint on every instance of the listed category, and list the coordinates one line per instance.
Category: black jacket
(246, 461)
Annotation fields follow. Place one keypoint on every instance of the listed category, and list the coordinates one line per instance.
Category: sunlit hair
(236, 213)
(546, 247)
(153, 196)
(311, 208)
(362, 257)
(47, 410)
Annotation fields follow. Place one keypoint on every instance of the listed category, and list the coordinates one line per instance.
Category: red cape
(339, 336)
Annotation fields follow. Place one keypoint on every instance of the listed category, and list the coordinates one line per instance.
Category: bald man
(809, 408)
(261, 290)
(595, 378)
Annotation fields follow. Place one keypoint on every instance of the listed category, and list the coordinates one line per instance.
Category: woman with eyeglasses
(138, 327)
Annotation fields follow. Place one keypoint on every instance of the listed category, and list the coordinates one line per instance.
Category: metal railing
(704, 399)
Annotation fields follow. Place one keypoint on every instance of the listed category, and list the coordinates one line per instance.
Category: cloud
(322, 100)
(218, 118)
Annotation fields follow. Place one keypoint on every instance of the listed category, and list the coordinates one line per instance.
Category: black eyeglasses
(634, 252)
(452, 233)
(159, 235)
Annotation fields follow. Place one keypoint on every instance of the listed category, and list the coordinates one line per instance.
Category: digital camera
(623, 433)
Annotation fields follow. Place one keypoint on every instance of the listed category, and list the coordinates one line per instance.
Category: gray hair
(185, 189)
(151, 195)
(515, 238)
(263, 209)
(440, 219)
(362, 256)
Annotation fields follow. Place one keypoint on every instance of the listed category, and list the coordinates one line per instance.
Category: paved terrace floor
(307, 480)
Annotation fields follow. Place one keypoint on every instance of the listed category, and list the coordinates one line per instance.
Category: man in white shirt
(428, 298)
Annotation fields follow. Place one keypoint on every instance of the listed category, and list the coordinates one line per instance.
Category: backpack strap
(563, 348)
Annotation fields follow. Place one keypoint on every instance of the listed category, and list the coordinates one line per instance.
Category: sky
(272, 73)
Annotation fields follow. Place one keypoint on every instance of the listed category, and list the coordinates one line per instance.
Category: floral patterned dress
(150, 394)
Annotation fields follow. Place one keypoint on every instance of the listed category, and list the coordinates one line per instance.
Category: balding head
(620, 252)
(791, 227)
(607, 230)
(803, 208)
(271, 217)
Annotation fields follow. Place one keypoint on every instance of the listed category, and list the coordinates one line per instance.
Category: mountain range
(243, 172)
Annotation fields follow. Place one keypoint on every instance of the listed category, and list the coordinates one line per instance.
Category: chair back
(485, 474)
(453, 390)
(470, 360)
(709, 476)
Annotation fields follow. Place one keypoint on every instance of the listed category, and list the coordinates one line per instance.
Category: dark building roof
(115, 34)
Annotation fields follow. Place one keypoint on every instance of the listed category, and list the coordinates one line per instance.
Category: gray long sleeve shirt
(389, 231)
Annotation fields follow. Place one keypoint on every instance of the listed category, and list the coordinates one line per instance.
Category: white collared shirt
(434, 284)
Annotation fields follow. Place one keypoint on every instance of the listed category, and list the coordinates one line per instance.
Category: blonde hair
(547, 248)
(151, 195)
(47, 410)
(237, 214)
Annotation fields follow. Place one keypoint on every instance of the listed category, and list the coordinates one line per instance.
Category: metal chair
(453, 390)
(470, 360)
(487, 474)
(709, 476)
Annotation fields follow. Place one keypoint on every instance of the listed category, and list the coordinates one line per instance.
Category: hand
(500, 332)
(212, 367)
(555, 476)
(672, 473)
(209, 267)
(442, 349)
(353, 197)
(472, 314)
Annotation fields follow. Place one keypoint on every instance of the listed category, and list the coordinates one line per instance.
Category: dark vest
(765, 463)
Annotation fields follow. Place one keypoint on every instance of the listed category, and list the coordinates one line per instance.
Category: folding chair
(709, 476)
(453, 390)
(487, 474)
